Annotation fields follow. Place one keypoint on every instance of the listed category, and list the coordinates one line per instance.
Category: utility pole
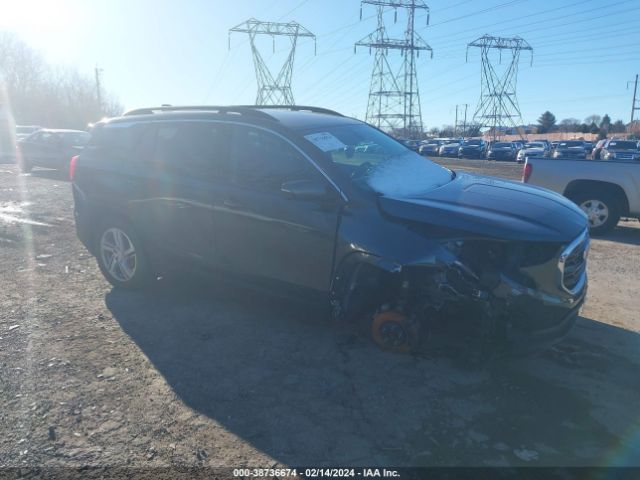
(455, 129)
(498, 105)
(273, 91)
(98, 72)
(464, 124)
(394, 98)
(633, 103)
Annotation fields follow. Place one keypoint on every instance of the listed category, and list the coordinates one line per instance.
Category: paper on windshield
(325, 141)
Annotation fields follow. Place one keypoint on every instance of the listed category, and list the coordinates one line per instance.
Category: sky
(179, 52)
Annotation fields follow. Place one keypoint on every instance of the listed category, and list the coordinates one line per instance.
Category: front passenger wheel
(121, 256)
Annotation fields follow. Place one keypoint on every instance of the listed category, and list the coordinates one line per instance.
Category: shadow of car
(276, 376)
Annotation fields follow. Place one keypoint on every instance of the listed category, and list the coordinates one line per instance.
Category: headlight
(557, 154)
(611, 155)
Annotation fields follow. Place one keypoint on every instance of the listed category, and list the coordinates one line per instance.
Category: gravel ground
(206, 374)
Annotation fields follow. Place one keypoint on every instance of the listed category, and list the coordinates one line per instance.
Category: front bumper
(535, 320)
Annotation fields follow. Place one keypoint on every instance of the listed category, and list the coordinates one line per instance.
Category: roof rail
(240, 109)
(296, 108)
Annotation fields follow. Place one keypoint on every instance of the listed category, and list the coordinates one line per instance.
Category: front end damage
(503, 295)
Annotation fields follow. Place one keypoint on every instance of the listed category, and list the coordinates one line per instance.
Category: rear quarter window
(120, 141)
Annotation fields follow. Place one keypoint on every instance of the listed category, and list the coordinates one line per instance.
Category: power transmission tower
(273, 91)
(498, 105)
(394, 99)
(633, 102)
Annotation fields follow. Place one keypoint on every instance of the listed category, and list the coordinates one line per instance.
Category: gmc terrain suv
(288, 195)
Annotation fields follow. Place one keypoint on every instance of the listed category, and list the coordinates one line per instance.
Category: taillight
(72, 167)
(526, 172)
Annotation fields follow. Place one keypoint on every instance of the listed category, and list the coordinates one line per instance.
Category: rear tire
(121, 255)
(602, 208)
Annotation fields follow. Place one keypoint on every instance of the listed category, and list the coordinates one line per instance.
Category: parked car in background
(23, 131)
(449, 149)
(501, 151)
(570, 149)
(620, 150)
(597, 149)
(532, 149)
(518, 146)
(430, 147)
(283, 196)
(604, 190)
(413, 145)
(588, 148)
(472, 148)
(50, 148)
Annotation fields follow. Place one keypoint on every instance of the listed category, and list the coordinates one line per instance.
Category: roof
(61, 130)
(290, 116)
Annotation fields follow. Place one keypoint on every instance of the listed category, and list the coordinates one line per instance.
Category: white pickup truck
(605, 190)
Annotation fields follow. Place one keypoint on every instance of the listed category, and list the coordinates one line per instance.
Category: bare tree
(593, 119)
(40, 94)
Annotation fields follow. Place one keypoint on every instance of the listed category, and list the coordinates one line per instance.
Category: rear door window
(193, 148)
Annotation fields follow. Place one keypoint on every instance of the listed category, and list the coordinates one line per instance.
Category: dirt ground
(206, 374)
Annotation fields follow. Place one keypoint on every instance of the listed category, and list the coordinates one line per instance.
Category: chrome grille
(573, 263)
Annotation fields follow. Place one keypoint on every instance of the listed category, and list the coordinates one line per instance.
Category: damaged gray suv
(306, 198)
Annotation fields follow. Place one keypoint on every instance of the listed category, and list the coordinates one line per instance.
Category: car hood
(532, 150)
(492, 207)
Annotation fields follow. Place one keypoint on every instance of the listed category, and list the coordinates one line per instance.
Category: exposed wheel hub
(393, 331)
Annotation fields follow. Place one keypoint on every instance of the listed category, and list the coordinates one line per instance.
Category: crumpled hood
(492, 207)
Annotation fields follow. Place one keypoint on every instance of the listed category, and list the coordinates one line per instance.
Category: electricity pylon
(394, 99)
(272, 91)
(498, 105)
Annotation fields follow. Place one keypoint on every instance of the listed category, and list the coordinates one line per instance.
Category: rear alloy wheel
(393, 332)
(121, 257)
(602, 211)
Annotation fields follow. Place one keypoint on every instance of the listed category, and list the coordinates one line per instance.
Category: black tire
(604, 223)
(142, 273)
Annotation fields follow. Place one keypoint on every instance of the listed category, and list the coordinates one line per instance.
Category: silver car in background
(533, 149)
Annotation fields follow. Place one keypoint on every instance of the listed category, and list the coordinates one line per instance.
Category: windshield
(472, 142)
(502, 145)
(375, 161)
(534, 145)
(623, 145)
(570, 144)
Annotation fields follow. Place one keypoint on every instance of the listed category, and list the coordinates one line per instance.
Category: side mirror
(306, 189)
